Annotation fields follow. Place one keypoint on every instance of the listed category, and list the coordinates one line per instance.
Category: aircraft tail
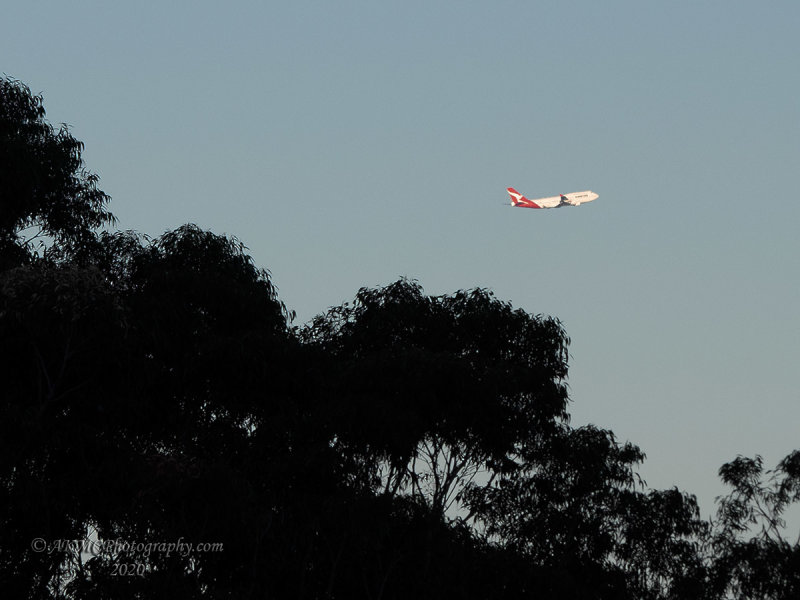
(516, 197)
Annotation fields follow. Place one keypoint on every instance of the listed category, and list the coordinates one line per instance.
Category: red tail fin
(516, 197)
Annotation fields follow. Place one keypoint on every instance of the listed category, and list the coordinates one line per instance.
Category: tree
(60, 356)
(766, 565)
(133, 384)
(45, 191)
(399, 446)
(458, 402)
(433, 390)
(577, 507)
(423, 395)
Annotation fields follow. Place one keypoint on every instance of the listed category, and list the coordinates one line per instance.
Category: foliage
(577, 506)
(453, 382)
(766, 565)
(399, 446)
(45, 191)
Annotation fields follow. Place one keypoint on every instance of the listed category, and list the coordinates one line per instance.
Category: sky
(350, 143)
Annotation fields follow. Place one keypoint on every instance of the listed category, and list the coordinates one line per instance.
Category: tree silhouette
(767, 565)
(432, 391)
(45, 191)
(398, 446)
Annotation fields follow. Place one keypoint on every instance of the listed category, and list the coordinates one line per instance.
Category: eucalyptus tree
(46, 193)
(756, 553)
(400, 446)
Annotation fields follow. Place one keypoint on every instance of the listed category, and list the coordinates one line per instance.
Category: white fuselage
(574, 199)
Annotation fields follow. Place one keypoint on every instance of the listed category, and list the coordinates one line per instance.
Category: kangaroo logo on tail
(515, 196)
(518, 199)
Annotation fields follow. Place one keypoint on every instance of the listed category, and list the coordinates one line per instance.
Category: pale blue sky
(349, 143)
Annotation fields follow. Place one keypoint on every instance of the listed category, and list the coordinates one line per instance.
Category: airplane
(574, 199)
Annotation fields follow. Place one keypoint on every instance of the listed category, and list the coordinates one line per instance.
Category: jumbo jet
(574, 199)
